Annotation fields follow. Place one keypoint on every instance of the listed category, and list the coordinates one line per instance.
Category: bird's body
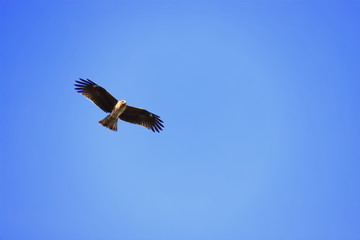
(117, 109)
(111, 120)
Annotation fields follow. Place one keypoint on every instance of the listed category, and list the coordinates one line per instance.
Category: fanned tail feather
(110, 122)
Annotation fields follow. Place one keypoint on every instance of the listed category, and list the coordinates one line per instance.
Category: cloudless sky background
(260, 101)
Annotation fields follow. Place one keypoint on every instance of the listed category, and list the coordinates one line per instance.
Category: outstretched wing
(96, 94)
(142, 117)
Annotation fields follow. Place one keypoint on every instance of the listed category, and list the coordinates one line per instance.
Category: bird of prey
(117, 109)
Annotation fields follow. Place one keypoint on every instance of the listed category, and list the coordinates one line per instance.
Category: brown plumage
(117, 109)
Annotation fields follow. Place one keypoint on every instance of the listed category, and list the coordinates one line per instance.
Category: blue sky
(260, 101)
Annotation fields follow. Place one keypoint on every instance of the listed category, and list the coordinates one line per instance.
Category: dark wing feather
(96, 94)
(142, 117)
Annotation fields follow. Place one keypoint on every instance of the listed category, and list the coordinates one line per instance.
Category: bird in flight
(117, 109)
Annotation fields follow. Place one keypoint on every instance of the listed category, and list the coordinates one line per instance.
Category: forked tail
(109, 122)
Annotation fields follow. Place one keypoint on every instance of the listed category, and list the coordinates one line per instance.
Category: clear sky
(260, 101)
